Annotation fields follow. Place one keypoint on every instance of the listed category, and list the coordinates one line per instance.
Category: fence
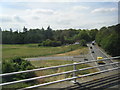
(74, 77)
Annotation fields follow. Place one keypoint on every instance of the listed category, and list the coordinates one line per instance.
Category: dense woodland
(106, 37)
(109, 39)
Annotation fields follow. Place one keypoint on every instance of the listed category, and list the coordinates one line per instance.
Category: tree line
(67, 36)
(106, 37)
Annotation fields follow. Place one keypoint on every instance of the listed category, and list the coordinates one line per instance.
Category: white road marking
(103, 52)
(92, 56)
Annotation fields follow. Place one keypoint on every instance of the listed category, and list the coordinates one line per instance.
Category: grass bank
(48, 63)
(80, 51)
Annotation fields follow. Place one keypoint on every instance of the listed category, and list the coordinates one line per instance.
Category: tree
(0, 29)
(83, 35)
(82, 42)
(92, 34)
(109, 39)
(24, 29)
(43, 29)
(11, 30)
(49, 42)
(49, 33)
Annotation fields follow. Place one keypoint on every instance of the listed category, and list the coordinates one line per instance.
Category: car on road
(93, 43)
(90, 47)
(99, 58)
(92, 51)
(100, 62)
(85, 59)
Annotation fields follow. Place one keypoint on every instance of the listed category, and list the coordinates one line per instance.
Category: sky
(59, 15)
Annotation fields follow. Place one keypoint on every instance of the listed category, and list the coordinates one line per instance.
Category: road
(99, 53)
(106, 56)
(82, 58)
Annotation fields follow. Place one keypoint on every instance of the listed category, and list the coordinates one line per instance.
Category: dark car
(85, 59)
(93, 43)
(90, 47)
(92, 51)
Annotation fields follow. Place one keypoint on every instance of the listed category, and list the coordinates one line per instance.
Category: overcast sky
(59, 15)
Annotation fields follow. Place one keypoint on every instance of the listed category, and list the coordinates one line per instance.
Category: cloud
(104, 10)
(58, 15)
(59, 0)
(77, 8)
(5, 19)
(64, 22)
(35, 17)
(40, 11)
(18, 19)
(11, 19)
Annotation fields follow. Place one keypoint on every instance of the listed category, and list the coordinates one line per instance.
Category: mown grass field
(48, 63)
(32, 50)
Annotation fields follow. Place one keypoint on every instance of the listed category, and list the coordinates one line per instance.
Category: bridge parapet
(74, 77)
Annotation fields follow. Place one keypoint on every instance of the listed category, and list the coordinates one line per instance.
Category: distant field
(32, 50)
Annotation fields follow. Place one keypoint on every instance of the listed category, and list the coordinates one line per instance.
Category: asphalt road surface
(96, 54)
(99, 53)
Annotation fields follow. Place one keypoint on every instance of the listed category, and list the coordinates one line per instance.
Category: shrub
(83, 42)
(14, 65)
(49, 42)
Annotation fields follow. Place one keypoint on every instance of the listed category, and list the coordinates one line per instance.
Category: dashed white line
(92, 56)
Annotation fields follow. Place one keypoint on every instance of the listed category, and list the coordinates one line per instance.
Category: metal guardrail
(56, 74)
(67, 79)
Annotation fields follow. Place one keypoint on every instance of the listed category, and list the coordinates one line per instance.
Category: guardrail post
(74, 73)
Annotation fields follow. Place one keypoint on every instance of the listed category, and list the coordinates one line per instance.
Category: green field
(32, 50)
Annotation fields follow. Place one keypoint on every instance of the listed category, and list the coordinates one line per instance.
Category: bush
(49, 42)
(14, 65)
(83, 42)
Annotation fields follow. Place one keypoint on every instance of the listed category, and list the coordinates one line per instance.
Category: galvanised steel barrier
(56, 74)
